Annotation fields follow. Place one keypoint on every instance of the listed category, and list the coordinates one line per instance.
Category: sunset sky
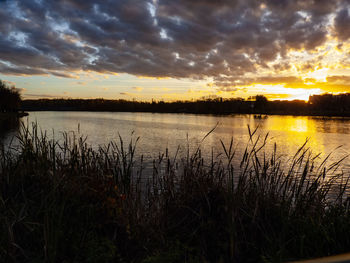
(175, 49)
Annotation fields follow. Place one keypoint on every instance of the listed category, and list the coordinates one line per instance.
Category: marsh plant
(64, 201)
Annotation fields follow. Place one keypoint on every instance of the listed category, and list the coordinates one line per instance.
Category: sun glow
(304, 94)
(280, 92)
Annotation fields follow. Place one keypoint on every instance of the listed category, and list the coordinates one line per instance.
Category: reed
(62, 200)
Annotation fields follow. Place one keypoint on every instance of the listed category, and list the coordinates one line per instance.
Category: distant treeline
(327, 104)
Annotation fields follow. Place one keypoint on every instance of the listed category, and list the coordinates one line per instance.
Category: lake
(158, 131)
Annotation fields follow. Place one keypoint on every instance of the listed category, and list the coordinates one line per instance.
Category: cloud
(230, 83)
(224, 40)
(341, 24)
(137, 88)
(338, 79)
(48, 96)
(63, 74)
(21, 90)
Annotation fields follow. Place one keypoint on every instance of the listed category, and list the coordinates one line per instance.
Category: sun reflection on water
(290, 133)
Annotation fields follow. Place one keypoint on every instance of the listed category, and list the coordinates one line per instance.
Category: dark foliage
(337, 105)
(331, 103)
(66, 202)
(9, 98)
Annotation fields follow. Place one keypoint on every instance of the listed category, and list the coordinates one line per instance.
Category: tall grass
(64, 201)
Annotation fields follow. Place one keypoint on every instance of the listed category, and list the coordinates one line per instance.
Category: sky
(175, 49)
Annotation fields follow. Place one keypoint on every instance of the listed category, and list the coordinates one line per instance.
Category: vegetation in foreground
(65, 202)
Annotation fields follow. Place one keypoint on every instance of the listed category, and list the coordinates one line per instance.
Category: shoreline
(314, 114)
(10, 115)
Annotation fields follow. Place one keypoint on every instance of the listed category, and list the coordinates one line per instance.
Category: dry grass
(67, 202)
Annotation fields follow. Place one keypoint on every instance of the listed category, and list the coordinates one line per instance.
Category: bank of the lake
(4, 116)
(9, 123)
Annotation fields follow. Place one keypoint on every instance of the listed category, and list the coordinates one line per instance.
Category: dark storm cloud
(342, 24)
(223, 39)
(18, 70)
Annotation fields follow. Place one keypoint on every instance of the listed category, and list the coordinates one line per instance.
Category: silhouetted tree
(9, 98)
(260, 102)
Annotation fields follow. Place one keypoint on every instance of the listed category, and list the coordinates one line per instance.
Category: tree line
(326, 104)
(330, 103)
(260, 105)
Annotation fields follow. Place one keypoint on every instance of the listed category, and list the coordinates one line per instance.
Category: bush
(9, 98)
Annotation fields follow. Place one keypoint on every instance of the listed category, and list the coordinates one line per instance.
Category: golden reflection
(293, 124)
(296, 130)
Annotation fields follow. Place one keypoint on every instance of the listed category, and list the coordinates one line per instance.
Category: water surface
(158, 131)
